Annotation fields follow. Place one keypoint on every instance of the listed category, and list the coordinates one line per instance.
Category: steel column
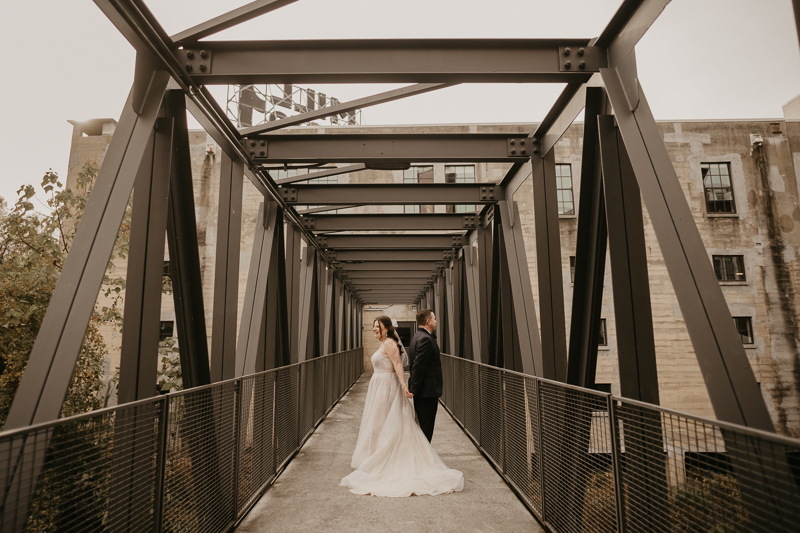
(140, 338)
(548, 261)
(226, 270)
(187, 283)
(471, 304)
(307, 342)
(485, 254)
(590, 253)
(293, 289)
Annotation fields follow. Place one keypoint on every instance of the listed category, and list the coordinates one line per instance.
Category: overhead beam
(357, 275)
(321, 174)
(389, 255)
(388, 222)
(391, 193)
(452, 240)
(627, 26)
(395, 61)
(230, 19)
(428, 266)
(360, 103)
(388, 149)
(388, 281)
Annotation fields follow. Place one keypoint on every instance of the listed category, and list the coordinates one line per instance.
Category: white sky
(703, 59)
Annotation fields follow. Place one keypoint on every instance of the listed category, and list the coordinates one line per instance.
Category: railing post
(540, 440)
(503, 421)
(615, 466)
(161, 465)
(237, 410)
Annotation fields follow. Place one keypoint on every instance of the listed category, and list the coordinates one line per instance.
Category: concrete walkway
(307, 495)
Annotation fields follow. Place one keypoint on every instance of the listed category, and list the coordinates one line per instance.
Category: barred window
(420, 174)
(566, 204)
(572, 269)
(165, 330)
(729, 267)
(718, 188)
(602, 339)
(745, 326)
(460, 174)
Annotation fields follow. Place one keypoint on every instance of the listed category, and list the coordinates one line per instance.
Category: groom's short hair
(423, 316)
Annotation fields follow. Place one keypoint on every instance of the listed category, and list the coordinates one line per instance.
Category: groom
(425, 383)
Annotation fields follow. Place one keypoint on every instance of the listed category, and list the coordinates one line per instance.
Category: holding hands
(407, 392)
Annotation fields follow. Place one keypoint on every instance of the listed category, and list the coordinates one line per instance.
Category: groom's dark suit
(425, 382)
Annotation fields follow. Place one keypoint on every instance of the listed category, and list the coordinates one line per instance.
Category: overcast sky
(703, 59)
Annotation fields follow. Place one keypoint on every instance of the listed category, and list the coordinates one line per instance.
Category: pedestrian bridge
(263, 430)
(266, 452)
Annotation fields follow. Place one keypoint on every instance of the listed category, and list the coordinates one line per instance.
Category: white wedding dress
(392, 456)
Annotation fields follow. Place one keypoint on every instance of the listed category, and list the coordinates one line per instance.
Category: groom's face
(432, 322)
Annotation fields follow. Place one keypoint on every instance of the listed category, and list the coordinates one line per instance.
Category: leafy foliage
(33, 248)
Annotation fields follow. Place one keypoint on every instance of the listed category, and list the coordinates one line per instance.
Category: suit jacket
(426, 365)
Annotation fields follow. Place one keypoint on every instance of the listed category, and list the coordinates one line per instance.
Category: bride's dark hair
(390, 331)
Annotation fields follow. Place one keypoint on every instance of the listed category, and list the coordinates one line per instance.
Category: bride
(392, 456)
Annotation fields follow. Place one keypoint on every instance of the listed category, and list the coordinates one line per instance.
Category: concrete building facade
(741, 179)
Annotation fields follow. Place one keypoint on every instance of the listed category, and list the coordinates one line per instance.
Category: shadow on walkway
(307, 496)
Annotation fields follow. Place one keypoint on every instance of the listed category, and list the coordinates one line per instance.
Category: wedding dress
(392, 456)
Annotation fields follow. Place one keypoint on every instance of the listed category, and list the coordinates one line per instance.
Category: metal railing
(193, 460)
(583, 460)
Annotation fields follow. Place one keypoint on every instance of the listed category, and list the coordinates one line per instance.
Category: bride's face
(376, 330)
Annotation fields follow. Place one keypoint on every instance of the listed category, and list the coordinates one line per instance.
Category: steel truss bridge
(198, 460)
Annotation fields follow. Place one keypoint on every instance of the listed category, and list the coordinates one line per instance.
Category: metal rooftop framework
(472, 270)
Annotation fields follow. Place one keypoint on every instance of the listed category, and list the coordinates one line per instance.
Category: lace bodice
(381, 363)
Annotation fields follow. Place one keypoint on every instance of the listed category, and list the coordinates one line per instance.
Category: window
(167, 270)
(566, 205)
(603, 387)
(460, 174)
(421, 174)
(602, 339)
(165, 330)
(572, 269)
(284, 173)
(745, 326)
(729, 267)
(718, 188)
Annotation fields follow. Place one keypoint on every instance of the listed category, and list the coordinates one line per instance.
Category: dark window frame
(566, 207)
(718, 191)
(166, 330)
(744, 325)
(727, 269)
(408, 178)
(602, 337)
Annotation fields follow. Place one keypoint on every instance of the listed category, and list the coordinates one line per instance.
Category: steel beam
(307, 343)
(381, 241)
(293, 289)
(485, 258)
(321, 174)
(187, 283)
(386, 222)
(627, 26)
(590, 253)
(395, 61)
(449, 306)
(376, 266)
(392, 193)
(471, 302)
(229, 20)
(361, 282)
(346, 107)
(635, 342)
(388, 149)
(254, 308)
(226, 270)
(139, 352)
(548, 262)
(727, 373)
(358, 275)
(530, 346)
(389, 255)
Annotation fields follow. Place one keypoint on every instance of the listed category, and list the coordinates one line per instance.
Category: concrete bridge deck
(306, 497)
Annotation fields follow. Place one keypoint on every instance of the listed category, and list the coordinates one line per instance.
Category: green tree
(33, 247)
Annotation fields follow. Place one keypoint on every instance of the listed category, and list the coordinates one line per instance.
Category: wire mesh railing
(194, 460)
(583, 460)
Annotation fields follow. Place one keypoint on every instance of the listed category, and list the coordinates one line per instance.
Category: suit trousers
(426, 414)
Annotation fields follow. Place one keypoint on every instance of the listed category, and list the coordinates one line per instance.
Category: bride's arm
(394, 356)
